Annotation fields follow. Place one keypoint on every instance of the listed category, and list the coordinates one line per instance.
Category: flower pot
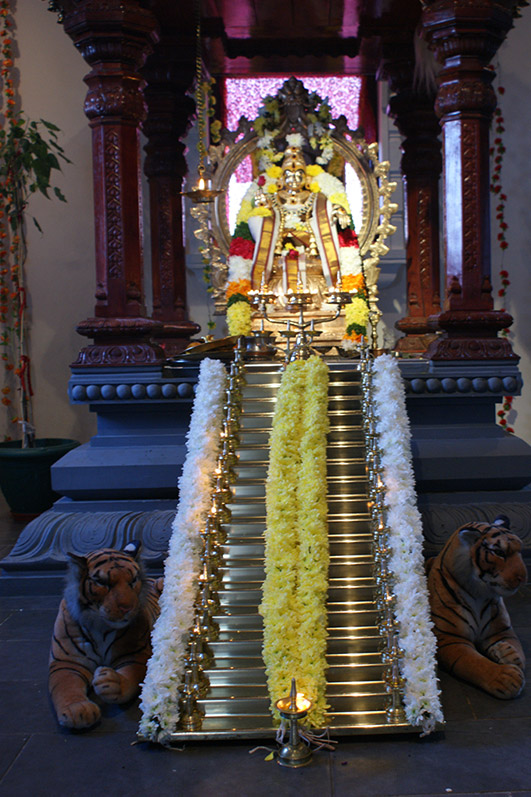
(25, 477)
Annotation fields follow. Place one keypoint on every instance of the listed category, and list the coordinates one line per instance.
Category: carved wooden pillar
(169, 72)
(466, 35)
(414, 115)
(114, 37)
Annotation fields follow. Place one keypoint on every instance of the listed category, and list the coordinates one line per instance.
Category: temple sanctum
(279, 328)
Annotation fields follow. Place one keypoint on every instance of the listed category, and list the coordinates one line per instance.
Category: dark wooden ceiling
(317, 36)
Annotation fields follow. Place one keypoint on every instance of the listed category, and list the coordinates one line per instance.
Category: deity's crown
(293, 159)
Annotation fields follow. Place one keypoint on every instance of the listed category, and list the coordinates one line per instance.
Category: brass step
(344, 435)
(342, 466)
(238, 703)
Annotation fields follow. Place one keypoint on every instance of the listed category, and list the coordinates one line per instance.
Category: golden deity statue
(298, 242)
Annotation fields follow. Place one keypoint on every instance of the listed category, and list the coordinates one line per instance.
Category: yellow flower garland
(239, 318)
(295, 588)
(357, 312)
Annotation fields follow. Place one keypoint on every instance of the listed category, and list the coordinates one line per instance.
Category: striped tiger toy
(479, 565)
(102, 634)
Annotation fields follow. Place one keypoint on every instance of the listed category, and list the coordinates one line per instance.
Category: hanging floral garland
(159, 699)
(412, 611)
(29, 156)
(296, 555)
(497, 152)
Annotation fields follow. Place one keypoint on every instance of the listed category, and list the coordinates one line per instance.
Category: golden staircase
(237, 703)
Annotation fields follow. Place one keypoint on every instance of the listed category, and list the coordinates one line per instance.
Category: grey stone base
(443, 513)
(45, 543)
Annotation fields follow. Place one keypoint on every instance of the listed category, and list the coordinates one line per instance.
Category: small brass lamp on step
(294, 707)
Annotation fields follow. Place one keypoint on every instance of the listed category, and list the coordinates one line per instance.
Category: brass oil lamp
(294, 753)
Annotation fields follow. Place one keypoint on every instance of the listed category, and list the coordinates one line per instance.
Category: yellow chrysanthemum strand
(294, 591)
(357, 312)
(239, 318)
(312, 584)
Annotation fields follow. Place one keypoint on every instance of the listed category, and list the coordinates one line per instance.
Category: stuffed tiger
(479, 565)
(102, 634)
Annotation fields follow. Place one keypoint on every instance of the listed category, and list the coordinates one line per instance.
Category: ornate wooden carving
(414, 115)
(119, 341)
(169, 73)
(114, 37)
(465, 37)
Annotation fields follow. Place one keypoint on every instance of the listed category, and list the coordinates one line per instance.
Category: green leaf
(53, 162)
(237, 297)
(50, 126)
(36, 223)
(59, 194)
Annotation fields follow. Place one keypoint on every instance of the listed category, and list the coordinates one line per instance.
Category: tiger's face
(110, 586)
(495, 556)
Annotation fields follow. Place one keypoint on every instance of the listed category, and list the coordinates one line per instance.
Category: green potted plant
(29, 156)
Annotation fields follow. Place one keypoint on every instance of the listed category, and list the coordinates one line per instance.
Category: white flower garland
(159, 699)
(412, 611)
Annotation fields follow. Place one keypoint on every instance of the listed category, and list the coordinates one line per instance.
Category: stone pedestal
(122, 485)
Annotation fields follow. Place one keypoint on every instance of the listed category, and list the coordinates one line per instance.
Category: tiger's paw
(504, 652)
(507, 682)
(109, 685)
(79, 716)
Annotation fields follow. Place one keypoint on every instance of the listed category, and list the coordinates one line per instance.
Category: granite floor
(484, 749)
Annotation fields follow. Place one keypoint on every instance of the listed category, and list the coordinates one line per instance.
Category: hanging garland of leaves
(29, 154)
(497, 151)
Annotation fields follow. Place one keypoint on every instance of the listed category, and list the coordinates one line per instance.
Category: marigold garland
(29, 157)
(296, 558)
(239, 286)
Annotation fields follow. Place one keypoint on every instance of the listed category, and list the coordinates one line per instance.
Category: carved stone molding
(46, 541)
(439, 521)
(457, 379)
(137, 390)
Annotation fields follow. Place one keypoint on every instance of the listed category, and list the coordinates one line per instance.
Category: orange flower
(239, 286)
(6, 390)
(355, 338)
(352, 282)
(6, 401)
